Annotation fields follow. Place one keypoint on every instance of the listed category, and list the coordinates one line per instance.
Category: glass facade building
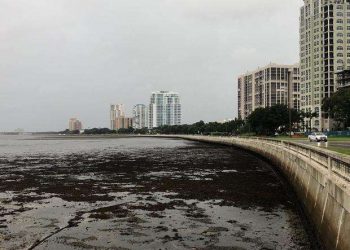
(164, 109)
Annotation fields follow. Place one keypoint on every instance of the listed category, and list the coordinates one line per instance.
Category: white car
(317, 136)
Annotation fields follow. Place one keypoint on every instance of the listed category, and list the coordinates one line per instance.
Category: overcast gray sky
(72, 58)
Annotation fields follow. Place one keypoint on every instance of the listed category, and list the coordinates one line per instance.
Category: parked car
(317, 136)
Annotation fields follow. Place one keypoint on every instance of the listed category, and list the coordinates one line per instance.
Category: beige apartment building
(324, 52)
(116, 110)
(118, 119)
(268, 86)
(122, 123)
(75, 124)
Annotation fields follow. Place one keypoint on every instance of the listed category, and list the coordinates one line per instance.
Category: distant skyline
(63, 59)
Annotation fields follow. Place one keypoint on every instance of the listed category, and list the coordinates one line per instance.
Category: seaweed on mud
(56, 177)
(155, 215)
(168, 238)
(109, 212)
(194, 174)
(158, 206)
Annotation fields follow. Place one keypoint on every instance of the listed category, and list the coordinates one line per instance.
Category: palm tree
(309, 115)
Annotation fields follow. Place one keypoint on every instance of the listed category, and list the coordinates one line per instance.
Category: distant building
(116, 110)
(140, 116)
(118, 119)
(164, 109)
(122, 123)
(75, 124)
(268, 86)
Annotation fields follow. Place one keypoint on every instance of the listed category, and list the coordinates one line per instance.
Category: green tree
(98, 131)
(232, 127)
(141, 131)
(258, 122)
(309, 115)
(126, 131)
(338, 107)
(266, 121)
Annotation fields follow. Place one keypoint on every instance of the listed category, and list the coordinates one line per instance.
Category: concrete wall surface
(320, 178)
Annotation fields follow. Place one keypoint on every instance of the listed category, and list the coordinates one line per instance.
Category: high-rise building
(116, 110)
(324, 51)
(75, 124)
(164, 109)
(122, 123)
(140, 116)
(268, 86)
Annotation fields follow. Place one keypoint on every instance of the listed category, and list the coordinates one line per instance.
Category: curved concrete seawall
(320, 178)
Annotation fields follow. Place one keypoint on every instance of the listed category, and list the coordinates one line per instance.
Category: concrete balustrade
(320, 178)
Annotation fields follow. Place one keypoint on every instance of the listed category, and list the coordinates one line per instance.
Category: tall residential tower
(116, 110)
(268, 86)
(324, 51)
(164, 109)
(140, 116)
(75, 124)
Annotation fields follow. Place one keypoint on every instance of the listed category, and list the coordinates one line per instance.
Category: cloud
(244, 52)
(73, 58)
(219, 10)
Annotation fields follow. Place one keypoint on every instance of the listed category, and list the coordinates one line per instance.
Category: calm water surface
(142, 193)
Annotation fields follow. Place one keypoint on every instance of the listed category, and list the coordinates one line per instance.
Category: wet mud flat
(166, 194)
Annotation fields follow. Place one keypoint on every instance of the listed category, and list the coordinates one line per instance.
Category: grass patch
(288, 138)
(330, 138)
(338, 149)
(339, 138)
(345, 151)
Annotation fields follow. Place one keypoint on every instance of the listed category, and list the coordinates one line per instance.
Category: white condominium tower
(324, 51)
(164, 109)
(268, 86)
(117, 110)
(140, 116)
